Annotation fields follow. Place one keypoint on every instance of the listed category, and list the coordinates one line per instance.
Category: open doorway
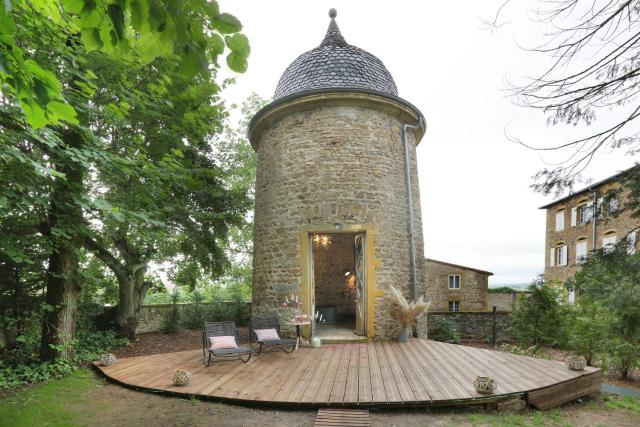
(338, 285)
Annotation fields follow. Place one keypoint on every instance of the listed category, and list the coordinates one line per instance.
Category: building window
(560, 220)
(558, 255)
(454, 281)
(571, 297)
(612, 205)
(581, 250)
(454, 305)
(584, 213)
(609, 241)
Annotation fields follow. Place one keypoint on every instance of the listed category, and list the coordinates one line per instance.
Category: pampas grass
(406, 313)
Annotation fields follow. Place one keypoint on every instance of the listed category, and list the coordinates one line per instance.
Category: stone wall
(326, 165)
(152, 316)
(506, 301)
(474, 325)
(474, 285)
(332, 287)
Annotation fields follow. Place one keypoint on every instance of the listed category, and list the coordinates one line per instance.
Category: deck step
(342, 417)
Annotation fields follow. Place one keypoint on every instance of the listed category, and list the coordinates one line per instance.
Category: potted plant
(406, 313)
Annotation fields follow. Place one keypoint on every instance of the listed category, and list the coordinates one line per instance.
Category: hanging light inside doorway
(323, 240)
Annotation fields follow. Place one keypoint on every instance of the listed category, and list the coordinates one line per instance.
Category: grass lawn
(84, 398)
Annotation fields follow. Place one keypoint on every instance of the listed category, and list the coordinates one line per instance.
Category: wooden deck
(376, 374)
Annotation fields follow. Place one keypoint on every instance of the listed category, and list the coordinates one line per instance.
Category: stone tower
(331, 161)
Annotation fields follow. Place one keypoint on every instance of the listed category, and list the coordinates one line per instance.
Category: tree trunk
(65, 216)
(58, 327)
(132, 293)
(132, 287)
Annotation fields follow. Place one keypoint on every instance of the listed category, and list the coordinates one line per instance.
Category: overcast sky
(477, 207)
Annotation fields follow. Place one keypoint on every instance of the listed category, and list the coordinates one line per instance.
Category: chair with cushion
(220, 340)
(265, 331)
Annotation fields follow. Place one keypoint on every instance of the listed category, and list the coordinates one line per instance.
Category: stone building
(452, 287)
(337, 214)
(583, 221)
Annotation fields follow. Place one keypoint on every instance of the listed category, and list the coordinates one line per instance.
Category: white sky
(477, 207)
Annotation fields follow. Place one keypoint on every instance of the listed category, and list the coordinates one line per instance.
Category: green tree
(610, 280)
(140, 30)
(166, 138)
(83, 111)
(540, 318)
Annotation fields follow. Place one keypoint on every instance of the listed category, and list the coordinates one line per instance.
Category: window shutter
(599, 207)
(574, 216)
(565, 255)
(560, 221)
(631, 243)
(588, 213)
(552, 256)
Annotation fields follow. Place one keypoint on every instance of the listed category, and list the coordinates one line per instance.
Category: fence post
(494, 327)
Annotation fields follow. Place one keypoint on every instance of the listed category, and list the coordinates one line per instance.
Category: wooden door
(361, 293)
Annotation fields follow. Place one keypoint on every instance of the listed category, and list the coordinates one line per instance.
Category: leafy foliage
(609, 302)
(540, 319)
(194, 31)
(18, 369)
(445, 330)
(172, 321)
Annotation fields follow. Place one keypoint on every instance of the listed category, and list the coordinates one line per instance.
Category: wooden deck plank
(342, 417)
(516, 372)
(353, 380)
(364, 375)
(312, 389)
(377, 385)
(163, 371)
(373, 375)
(340, 381)
(558, 394)
(454, 382)
(307, 375)
(324, 392)
(520, 372)
(416, 359)
(253, 388)
(390, 385)
(411, 371)
(437, 383)
(471, 368)
(403, 385)
(283, 392)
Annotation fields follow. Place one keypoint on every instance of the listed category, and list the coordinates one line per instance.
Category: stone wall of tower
(326, 165)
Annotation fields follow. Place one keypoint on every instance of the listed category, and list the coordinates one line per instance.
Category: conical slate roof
(335, 64)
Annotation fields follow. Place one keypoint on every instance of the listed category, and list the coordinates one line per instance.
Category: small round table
(298, 325)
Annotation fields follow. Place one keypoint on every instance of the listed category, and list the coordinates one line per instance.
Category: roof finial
(333, 37)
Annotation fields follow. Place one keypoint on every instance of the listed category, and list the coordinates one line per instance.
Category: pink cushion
(266, 334)
(218, 343)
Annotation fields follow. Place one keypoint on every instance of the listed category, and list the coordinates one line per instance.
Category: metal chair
(269, 322)
(219, 329)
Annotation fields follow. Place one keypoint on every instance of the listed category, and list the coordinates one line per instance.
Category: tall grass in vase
(406, 313)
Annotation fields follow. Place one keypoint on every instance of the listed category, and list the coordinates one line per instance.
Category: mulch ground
(159, 342)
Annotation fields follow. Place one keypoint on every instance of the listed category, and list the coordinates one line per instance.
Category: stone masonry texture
(472, 294)
(620, 224)
(327, 165)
